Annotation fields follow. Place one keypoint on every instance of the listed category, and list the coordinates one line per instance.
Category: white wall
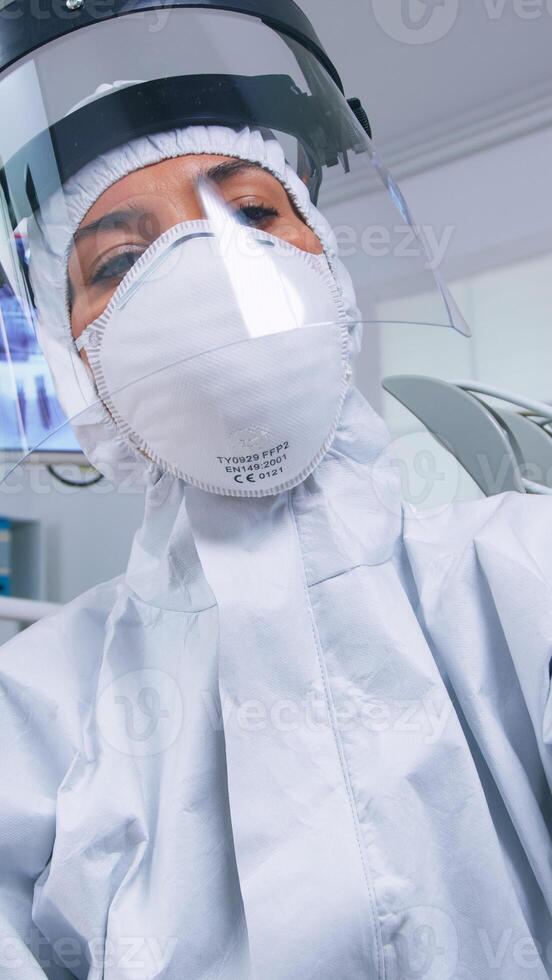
(498, 263)
(494, 210)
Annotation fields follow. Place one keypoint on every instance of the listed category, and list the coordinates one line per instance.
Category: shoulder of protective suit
(88, 608)
(50, 669)
(512, 530)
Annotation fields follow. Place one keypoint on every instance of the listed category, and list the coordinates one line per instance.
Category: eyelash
(111, 269)
(256, 213)
(253, 215)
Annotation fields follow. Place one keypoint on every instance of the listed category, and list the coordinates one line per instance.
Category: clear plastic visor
(75, 101)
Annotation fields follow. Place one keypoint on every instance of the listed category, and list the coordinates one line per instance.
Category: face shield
(192, 68)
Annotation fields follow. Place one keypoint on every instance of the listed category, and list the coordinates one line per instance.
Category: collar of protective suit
(356, 486)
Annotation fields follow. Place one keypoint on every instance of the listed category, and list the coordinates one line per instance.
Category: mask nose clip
(90, 338)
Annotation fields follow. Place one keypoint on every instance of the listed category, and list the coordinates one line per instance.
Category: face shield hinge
(360, 113)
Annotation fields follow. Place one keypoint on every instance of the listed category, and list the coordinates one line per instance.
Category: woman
(305, 734)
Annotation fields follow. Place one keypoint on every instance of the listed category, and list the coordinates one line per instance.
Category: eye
(117, 266)
(256, 215)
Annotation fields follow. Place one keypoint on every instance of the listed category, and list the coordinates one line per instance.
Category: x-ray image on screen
(30, 415)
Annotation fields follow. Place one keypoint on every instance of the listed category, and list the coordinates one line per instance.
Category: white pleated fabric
(304, 737)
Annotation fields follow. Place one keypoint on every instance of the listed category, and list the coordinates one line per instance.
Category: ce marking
(250, 478)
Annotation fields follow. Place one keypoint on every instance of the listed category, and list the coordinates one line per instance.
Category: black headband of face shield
(263, 102)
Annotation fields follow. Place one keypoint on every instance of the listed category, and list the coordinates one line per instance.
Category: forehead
(175, 178)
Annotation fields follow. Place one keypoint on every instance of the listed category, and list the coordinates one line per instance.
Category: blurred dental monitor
(32, 424)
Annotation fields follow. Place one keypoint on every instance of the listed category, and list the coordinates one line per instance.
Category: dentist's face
(131, 214)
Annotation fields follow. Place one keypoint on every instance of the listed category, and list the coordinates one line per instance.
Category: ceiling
(494, 58)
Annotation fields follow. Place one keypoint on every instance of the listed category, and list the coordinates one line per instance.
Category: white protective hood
(305, 737)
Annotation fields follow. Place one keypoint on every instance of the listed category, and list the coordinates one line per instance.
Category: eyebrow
(219, 173)
(230, 168)
(107, 222)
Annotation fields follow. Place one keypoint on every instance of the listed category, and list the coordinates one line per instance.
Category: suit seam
(367, 874)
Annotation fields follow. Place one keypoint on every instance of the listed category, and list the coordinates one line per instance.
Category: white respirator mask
(223, 356)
